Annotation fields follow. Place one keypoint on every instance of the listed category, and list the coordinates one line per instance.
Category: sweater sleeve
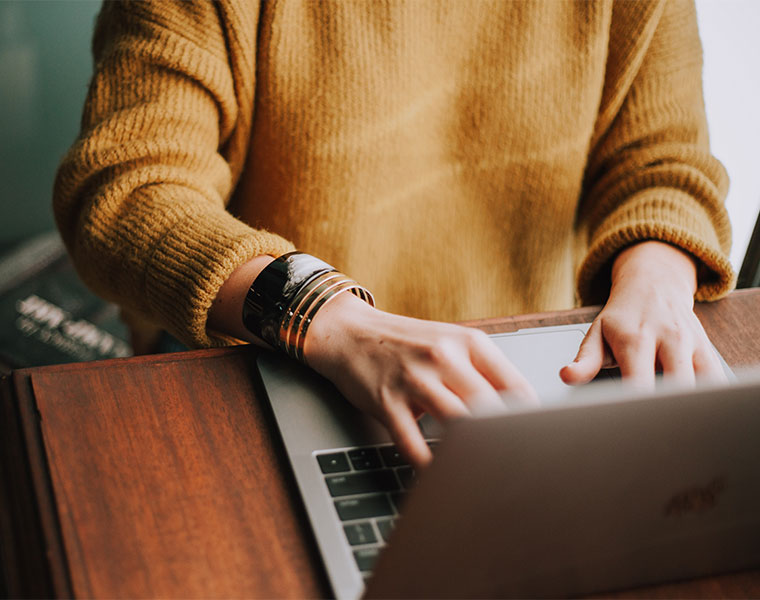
(140, 197)
(650, 175)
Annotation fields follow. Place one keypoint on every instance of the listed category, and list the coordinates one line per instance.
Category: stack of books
(47, 315)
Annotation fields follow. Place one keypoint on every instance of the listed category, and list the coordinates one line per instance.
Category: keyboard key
(360, 533)
(333, 463)
(366, 557)
(392, 457)
(364, 507)
(362, 483)
(365, 458)
(385, 526)
(407, 476)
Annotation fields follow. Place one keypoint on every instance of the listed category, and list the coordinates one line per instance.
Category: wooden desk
(163, 476)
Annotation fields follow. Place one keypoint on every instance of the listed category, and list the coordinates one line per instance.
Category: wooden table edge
(37, 531)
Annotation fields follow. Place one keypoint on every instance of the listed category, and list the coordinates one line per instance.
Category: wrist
(282, 302)
(646, 260)
(225, 313)
(334, 326)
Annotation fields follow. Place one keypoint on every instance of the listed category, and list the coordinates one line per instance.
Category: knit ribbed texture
(460, 159)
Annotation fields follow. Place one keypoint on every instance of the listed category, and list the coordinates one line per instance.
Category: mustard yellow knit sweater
(461, 158)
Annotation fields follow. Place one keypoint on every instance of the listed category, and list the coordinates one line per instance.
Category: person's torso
(433, 150)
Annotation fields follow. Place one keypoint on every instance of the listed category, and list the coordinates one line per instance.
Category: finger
(476, 392)
(636, 358)
(438, 400)
(676, 360)
(407, 436)
(499, 372)
(707, 365)
(592, 356)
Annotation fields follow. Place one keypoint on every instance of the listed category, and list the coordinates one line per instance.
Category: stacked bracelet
(287, 294)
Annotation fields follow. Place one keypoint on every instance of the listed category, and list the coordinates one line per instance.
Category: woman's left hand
(648, 323)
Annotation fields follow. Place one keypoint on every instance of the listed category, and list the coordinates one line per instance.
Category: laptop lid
(312, 417)
(611, 490)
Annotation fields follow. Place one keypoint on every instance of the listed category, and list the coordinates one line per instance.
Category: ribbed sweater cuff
(192, 261)
(667, 215)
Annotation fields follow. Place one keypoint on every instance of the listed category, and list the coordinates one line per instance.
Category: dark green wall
(45, 66)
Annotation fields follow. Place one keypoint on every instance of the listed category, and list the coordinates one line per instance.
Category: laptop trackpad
(538, 354)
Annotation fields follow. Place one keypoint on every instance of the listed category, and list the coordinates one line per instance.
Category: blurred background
(729, 31)
(45, 66)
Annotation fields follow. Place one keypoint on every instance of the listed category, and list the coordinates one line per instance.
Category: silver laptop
(546, 516)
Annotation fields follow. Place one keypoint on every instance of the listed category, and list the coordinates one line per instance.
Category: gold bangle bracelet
(353, 287)
(294, 313)
(284, 298)
(296, 323)
(317, 302)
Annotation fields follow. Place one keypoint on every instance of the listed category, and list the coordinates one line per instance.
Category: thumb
(592, 356)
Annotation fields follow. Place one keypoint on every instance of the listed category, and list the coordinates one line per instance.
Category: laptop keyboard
(367, 486)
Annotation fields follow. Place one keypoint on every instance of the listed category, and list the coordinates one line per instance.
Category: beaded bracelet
(283, 300)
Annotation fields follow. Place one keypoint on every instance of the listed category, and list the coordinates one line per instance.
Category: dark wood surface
(164, 477)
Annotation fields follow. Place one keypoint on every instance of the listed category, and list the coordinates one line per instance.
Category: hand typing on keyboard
(648, 322)
(397, 368)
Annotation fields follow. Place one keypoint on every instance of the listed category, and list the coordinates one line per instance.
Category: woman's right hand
(397, 368)
(393, 367)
